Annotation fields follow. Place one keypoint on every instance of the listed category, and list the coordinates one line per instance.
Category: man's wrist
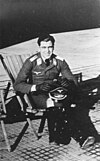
(33, 88)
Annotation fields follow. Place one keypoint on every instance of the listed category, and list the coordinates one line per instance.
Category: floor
(31, 149)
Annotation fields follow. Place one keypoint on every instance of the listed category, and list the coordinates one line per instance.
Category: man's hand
(45, 87)
(64, 83)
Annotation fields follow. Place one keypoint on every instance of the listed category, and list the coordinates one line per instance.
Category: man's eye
(49, 47)
(43, 47)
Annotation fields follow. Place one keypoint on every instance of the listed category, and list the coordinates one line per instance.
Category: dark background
(22, 20)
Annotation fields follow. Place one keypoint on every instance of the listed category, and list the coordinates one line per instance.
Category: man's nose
(47, 49)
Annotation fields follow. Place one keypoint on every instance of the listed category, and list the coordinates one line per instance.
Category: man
(40, 74)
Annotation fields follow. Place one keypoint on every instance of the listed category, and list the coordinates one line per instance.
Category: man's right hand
(45, 87)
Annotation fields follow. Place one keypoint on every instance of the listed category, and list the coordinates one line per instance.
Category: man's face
(46, 49)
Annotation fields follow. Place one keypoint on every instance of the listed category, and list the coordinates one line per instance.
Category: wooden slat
(19, 60)
(9, 65)
(15, 62)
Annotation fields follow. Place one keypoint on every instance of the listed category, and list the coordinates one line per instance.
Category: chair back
(78, 77)
(12, 63)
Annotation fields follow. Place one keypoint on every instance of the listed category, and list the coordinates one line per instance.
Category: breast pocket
(52, 74)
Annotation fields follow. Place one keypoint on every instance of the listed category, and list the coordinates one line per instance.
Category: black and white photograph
(49, 80)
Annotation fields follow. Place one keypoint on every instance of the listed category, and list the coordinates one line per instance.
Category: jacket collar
(52, 59)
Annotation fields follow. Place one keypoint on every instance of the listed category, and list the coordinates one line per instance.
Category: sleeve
(66, 72)
(21, 84)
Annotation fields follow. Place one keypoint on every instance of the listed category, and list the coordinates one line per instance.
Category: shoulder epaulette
(34, 57)
(60, 58)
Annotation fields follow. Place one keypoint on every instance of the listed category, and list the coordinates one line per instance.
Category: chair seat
(33, 111)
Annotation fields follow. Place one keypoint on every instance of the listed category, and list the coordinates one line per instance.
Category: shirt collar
(45, 59)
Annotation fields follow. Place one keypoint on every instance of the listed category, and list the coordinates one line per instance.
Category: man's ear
(53, 47)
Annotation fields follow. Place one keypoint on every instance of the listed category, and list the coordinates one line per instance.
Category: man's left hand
(65, 83)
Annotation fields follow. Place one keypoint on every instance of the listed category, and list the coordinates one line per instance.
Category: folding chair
(12, 65)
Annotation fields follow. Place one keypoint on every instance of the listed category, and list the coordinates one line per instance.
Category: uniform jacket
(35, 71)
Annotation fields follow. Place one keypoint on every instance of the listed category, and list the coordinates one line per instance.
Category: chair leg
(42, 123)
(2, 100)
(28, 119)
(7, 90)
(2, 122)
(5, 136)
(32, 127)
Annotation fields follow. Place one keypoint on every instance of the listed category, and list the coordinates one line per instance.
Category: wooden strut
(5, 136)
(2, 123)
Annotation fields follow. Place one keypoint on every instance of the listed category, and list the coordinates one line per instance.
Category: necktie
(47, 61)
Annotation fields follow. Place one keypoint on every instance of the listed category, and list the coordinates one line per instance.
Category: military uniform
(35, 71)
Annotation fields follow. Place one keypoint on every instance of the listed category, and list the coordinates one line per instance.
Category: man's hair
(46, 37)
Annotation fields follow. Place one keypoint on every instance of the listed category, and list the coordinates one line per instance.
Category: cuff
(50, 103)
(33, 88)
